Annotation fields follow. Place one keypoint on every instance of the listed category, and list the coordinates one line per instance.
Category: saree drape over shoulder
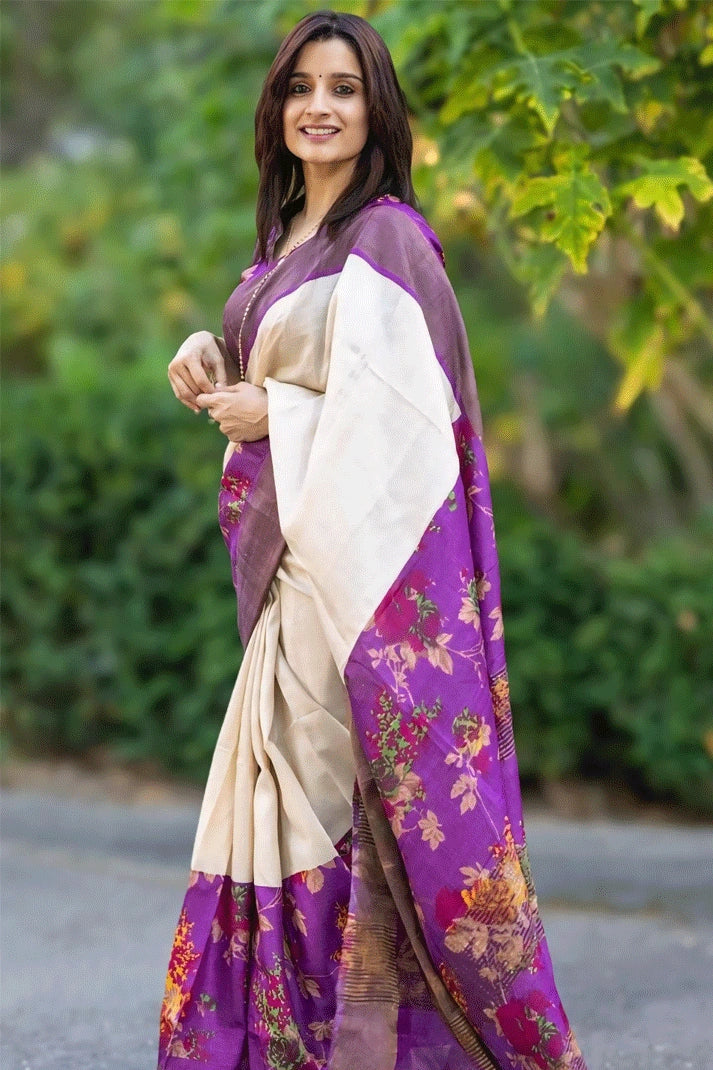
(360, 894)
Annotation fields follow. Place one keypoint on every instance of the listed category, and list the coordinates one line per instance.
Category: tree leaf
(499, 150)
(645, 372)
(540, 268)
(658, 186)
(638, 339)
(576, 204)
(647, 10)
(599, 65)
(587, 72)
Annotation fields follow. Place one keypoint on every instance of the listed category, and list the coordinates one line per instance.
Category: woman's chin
(322, 159)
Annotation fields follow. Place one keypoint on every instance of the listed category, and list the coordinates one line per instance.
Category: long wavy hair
(384, 165)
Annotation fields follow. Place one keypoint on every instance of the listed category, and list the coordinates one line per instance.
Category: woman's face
(324, 117)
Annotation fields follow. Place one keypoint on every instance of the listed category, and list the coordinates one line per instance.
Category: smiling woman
(360, 893)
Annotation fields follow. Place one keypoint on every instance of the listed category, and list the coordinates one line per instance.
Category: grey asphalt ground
(91, 893)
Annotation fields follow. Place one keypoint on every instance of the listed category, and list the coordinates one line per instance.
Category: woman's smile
(319, 133)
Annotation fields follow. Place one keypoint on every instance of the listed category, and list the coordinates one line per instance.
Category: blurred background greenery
(563, 153)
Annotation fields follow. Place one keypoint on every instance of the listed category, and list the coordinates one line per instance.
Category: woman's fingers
(184, 381)
(182, 389)
(213, 360)
(239, 411)
(197, 365)
(202, 373)
(189, 371)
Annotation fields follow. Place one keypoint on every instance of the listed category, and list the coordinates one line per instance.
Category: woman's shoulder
(398, 243)
(390, 226)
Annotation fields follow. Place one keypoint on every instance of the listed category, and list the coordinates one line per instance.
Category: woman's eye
(300, 88)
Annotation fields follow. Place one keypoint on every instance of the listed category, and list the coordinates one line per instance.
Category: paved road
(91, 893)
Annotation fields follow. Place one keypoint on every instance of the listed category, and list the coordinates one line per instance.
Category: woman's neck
(323, 187)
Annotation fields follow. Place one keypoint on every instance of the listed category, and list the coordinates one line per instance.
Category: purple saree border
(384, 272)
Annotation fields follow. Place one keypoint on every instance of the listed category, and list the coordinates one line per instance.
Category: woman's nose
(318, 103)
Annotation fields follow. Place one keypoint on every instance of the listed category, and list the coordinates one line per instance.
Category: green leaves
(544, 82)
(118, 608)
(658, 186)
(649, 8)
(575, 206)
(638, 338)
(576, 623)
(560, 137)
(582, 126)
(540, 268)
(586, 73)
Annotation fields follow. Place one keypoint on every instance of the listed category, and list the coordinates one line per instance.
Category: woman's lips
(315, 133)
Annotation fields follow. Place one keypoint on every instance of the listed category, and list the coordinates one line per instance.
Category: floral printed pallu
(396, 928)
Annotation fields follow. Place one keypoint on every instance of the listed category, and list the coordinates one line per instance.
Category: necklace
(260, 285)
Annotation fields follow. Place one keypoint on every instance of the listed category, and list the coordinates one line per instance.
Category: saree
(360, 892)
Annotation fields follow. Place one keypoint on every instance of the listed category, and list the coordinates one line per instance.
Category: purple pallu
(419, 946)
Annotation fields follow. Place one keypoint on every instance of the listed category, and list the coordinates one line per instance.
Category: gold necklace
(259, 287)
(309, 234)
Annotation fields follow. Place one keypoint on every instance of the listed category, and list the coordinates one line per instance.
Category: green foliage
(611, 662)
(557, 128)
(135, 235)
(118, 612)
(132, 225)
(552, 590)
(661, 621)
(658, 186)
(575, 206)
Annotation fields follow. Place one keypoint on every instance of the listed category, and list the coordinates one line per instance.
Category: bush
(120, 623)
(611, 661)
(659, 658)
(118, 608)
(553, 587)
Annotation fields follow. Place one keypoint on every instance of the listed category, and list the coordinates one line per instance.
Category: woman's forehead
(326, 59)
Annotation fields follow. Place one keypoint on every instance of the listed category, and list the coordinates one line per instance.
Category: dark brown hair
(384, 165)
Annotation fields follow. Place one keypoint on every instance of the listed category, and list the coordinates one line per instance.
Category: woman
(360, 893)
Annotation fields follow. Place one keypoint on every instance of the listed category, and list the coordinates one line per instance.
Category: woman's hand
(199, 367)
(240, 411)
